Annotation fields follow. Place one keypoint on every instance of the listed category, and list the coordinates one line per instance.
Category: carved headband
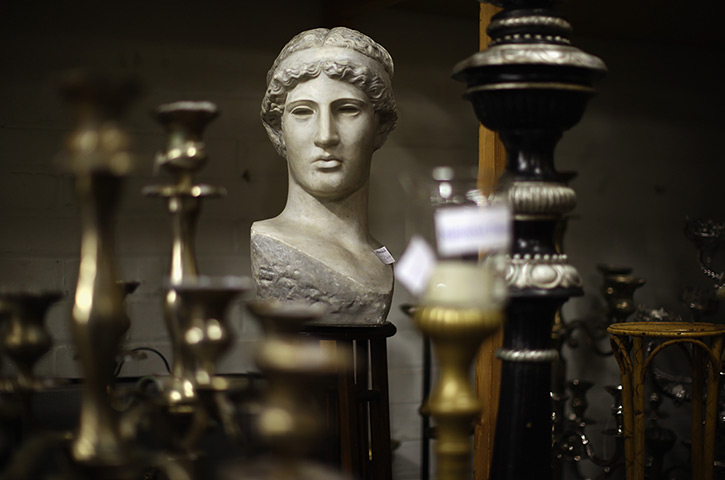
(334, 54)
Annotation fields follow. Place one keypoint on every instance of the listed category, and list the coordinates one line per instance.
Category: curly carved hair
(281, 81)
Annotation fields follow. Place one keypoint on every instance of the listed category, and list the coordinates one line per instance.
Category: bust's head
(340, 54)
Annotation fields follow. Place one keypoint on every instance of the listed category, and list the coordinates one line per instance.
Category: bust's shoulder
(278, 228)
(269, 227)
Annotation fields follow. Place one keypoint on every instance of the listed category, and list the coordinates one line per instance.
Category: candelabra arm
(705, 262)
(591, 337)
(606, 462)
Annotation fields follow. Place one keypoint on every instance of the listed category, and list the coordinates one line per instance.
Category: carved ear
(281, 146)
(381, 134)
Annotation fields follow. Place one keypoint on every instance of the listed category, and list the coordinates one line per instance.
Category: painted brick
(30, 273)
(251, 329)
(29, 150)
(147, 321)
(42, 236)
(405, 421)
(406, 461)
(151, 271)
(239, 358)
(242, 242)
(71, 268)
(24, 192)
(58, 321)
(66, 363)
(405, 350)
(408, 385)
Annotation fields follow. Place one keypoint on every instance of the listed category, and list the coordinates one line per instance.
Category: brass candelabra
(155, 429)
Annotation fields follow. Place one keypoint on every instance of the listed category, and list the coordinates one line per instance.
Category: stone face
(328, 107)
(283, 272)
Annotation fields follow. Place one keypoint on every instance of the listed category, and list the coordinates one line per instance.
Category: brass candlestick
(24, 338)
(185, 154)
(97, 157)
(289, 421)
(456, 334)
(618, 291)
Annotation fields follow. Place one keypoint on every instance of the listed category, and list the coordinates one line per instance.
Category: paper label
(468, 230)
(384, 255)
(415, 265)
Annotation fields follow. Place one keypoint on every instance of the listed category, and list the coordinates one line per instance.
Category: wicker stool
(363, 440)
(706, 343)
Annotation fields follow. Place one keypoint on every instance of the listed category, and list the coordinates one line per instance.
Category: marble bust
(328, 107)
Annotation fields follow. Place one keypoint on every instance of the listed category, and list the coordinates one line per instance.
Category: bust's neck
(345, 220)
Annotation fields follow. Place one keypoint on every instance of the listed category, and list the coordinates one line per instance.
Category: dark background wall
(648, 151)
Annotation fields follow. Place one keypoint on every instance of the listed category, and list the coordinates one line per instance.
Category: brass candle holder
(185, 154)
(288, 422)
(24, 338)
(97, 157)
(618, 292)
(205, 335)
(461, 302)
(456, 334)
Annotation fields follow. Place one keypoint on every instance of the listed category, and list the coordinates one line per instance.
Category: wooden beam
(491, 163)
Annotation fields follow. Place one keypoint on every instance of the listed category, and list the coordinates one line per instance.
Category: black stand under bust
(360, 408)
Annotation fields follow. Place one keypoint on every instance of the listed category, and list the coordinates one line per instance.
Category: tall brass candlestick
(289, 421)
(98, 159)
(185, 153)
(456, 334)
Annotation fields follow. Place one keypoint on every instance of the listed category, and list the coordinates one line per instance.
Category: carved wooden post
(491, 162)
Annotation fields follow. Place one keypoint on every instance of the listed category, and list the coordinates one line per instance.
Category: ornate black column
(530, 85)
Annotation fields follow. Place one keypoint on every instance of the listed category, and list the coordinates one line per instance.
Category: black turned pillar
(530, 85)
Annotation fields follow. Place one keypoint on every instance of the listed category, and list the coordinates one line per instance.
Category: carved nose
(327, 134)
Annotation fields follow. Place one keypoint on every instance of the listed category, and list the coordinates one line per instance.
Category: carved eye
(349, 109)
(301, 111)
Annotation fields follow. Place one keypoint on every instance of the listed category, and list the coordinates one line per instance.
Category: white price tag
(467, 230)
(384, 255)
(415, 265)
